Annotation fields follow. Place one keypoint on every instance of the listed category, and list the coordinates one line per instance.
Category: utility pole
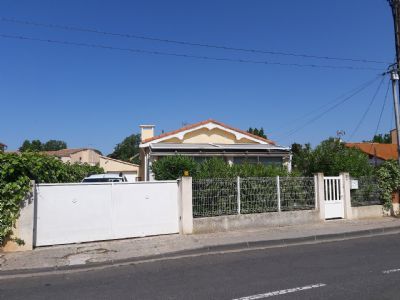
(395, 5)
(395, 80)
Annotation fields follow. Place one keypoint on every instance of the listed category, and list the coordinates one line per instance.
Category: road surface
(365, 268)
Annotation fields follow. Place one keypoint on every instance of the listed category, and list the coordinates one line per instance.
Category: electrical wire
(202, 57)
(368, 108)
(186, 43)
(380, 115)
(310, 113)
(382, 109)
(298, 128)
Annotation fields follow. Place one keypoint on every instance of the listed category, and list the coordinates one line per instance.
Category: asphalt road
(366, 268)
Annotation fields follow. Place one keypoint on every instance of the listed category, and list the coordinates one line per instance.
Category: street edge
(207, 250)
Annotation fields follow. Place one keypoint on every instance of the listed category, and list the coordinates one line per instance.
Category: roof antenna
(340, 134)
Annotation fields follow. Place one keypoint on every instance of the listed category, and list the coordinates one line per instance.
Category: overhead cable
(196, 44)
(202, 57)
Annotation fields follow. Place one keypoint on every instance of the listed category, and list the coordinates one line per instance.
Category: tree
(54, 145)
(331, 157)
(257, 132)
(302, 157)
(128, 149)
(383, 139)
(37, 145)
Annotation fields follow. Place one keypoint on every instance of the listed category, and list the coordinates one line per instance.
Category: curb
(207, 250)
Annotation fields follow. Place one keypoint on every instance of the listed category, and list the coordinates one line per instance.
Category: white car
(105, 178)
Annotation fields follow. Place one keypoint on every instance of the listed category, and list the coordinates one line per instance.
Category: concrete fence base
(248, 221)
(365, 212)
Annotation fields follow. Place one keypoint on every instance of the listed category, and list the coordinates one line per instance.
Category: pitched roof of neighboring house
(199, 124)
(382, 151)
(3, 145)
(119, 161)
(67, 152)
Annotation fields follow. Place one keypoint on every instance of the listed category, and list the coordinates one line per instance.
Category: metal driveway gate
(333, 196)
(83, 212)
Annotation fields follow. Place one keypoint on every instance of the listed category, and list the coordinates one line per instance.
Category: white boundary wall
(83, 212)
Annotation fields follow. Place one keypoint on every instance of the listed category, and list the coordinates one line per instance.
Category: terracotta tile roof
(203, 123)
(382, 151)
(67, 152)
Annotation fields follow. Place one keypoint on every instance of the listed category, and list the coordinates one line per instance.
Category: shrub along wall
(16, 172)
(173, 167)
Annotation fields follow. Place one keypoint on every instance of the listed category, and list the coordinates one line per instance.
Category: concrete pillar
(346, 185)
(185, 205)
(395, 203)
(319, 194)
(24, 227)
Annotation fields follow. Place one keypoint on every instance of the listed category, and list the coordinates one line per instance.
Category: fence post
(320, 194)
(278, 192)
(345, 178)
(185, 205)
(238, 195)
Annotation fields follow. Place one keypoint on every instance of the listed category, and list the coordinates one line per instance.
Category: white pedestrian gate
(333, 195)
(83, 212)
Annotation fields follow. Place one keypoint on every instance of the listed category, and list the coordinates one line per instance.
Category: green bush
(16, 171)
(172, 167)
(388, 175)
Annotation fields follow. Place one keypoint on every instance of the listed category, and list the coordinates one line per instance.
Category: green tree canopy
(382, 138)
(37, 145)
(331, 157)
(54, 145)
(257, 132)
(128, 149)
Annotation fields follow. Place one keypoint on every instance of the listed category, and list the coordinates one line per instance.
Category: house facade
(207, 139)
(3, 147)
(93, 157)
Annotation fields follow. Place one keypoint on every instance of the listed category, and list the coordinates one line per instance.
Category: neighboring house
(115, 166)
(377, 152)
(93, 157)
(79, 155)
(2, 147)
(209, 139)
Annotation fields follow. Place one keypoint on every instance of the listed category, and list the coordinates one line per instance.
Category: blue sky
(93, 97)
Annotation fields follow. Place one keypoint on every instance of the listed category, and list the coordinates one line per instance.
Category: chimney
(146, 131)
(393, 135)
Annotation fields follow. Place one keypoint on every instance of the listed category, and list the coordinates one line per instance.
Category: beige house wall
(88, 156)
(113, 165)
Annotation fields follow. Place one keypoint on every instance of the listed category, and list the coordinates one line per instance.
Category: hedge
(16, 172)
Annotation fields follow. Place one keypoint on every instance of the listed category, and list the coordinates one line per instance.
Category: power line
(186, 43)
(203, 57)
(368, 108)
(382, 109)
(381, 113)
(310, 113)
(294, 130)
